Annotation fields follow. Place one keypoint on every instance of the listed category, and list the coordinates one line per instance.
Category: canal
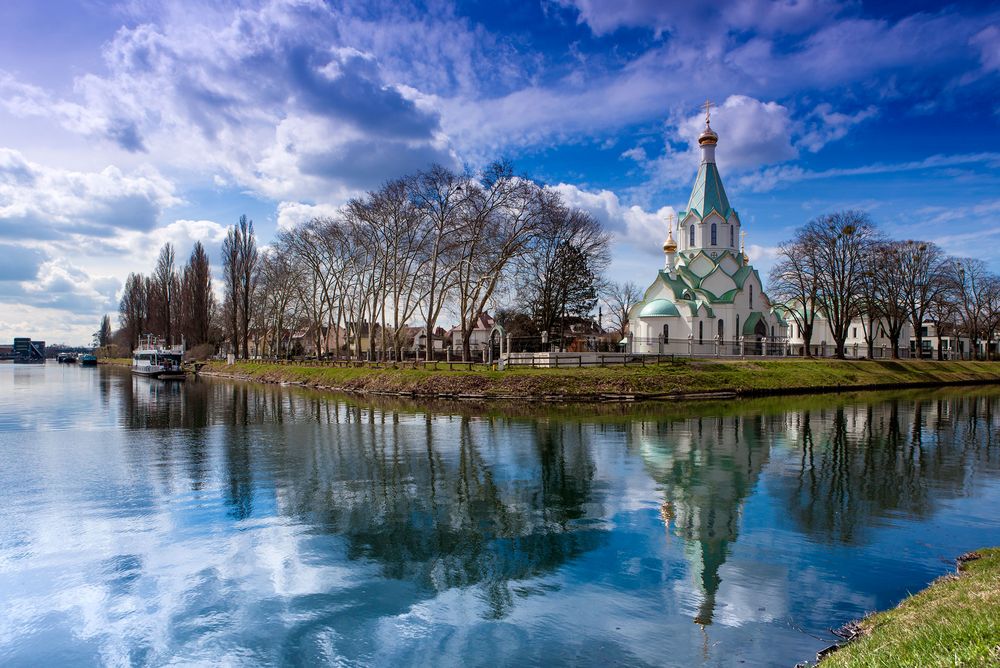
(217, 522)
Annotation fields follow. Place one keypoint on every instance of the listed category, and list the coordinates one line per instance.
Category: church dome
(708, 136)
(659, 308)
(670, 246)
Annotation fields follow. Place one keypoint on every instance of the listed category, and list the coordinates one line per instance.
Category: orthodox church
(707, 298)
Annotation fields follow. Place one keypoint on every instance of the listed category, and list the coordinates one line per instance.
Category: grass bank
(954, 622)
(682, 379)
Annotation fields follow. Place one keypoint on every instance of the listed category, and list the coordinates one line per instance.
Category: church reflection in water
(442, 498)
(845, 466)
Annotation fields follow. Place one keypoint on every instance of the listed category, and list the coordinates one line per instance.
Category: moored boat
(88, 359)
(66, 358)
(156, 361)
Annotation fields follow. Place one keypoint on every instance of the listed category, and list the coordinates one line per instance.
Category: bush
(200, 352)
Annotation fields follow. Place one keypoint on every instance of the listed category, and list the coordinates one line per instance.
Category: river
(218, 522)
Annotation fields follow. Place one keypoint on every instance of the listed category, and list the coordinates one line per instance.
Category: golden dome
(708, 136)
(670, 246)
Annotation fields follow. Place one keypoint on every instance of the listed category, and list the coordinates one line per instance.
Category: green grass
(954, 622)
(745, 377)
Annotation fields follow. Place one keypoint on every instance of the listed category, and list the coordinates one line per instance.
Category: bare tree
(969, 279)
(443, 200)
(620, 298)
(840, 242)
(197, 298)
(133, 308)
(503, 217)
(924, 278)
(231, 273)
(794, 281)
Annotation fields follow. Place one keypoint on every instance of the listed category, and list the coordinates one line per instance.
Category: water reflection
(216, 521)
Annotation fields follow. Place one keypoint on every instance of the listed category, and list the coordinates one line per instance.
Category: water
(214, 522)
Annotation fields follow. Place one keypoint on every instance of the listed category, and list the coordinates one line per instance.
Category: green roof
(659, 307)
(708, 193)
(751, 323)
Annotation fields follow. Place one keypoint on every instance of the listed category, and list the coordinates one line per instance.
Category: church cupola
(708, 139)
(670, 246)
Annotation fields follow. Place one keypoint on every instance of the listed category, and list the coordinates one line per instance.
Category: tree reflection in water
(453, 496)
(859, 463)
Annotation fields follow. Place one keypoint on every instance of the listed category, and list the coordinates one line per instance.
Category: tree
(620, 298)
(231, 274)
(197, 298)
(248, 259)
(443, 201)
(133, 308)
(502, 218)
(884, 271)
(794, 281)
(102, 336)
(164, 293)
(561, 269)
(923, 269)
(969, 282)
(839, 243)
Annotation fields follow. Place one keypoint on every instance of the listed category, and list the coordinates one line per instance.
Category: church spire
(670, 246)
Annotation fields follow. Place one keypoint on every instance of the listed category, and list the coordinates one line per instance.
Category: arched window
(737, 324)
(772, 331)
(732, 236)
(666, 332)
(691, 234)
(721, 329)
(701, 331)
(751, 296)
(714, 235)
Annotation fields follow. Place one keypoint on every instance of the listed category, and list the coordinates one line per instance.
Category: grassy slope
(954, 622)
(694, 376)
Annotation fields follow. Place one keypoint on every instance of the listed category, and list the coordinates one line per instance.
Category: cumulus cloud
(641, 230)
(293, 214)
(825, 125)
(38, 202)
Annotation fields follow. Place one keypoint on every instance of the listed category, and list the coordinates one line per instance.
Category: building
(707, 298)
(479, 339)
(822, 343)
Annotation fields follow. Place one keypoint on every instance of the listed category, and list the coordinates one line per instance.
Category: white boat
(156, 361)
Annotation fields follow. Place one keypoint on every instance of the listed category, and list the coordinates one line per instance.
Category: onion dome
(670, 246)
(708, 136)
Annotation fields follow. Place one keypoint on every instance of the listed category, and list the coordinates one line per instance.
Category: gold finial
(707, 107)
(743, 243)
(669, 246)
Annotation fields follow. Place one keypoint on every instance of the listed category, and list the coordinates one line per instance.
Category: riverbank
(954, 622)
(683, 379)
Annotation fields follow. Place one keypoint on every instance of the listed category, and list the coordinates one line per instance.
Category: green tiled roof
(659, 307)
(708, 193)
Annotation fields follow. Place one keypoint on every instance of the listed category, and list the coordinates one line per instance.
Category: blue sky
(127, 124)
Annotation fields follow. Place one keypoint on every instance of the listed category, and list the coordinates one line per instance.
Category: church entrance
(759, 334)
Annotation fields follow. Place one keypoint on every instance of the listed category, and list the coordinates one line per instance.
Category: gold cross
(743, 239)
(707, 106)
(670, 222)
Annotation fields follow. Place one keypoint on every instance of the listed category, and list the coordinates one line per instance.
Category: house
(480, 337)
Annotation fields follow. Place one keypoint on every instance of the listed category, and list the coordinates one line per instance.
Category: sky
(125, 125)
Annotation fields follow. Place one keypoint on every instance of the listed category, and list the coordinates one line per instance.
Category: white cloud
(50, 203)
(633, 226)
(293, 214)
(825, 125)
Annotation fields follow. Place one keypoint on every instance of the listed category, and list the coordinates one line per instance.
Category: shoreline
(683, 380)
(951, 621)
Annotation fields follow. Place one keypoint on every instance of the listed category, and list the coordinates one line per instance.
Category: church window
(714, 236)
(721, 329)
(854, 332)
(666, 332)
(732, 236)
(701, 331)
(751, 296)
(691, 234)
(737, 324)
(772, 331)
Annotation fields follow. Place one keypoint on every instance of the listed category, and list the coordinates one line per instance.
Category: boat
(88, 359)
(66, 358)
(154, 360)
